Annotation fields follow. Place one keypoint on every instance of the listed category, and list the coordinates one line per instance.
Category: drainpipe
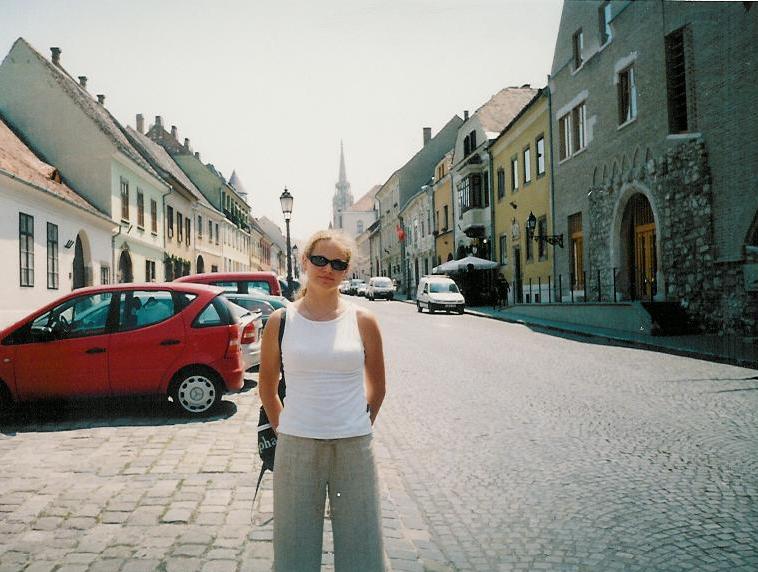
(552, 174)
(490, 192)
(113, 254)
(163, 211)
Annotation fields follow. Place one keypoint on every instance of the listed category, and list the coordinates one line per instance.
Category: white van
(439, 293)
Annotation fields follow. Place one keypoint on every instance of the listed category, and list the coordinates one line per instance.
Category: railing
(547, 289)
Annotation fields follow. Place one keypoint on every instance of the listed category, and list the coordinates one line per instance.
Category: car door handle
(170, 342)
(95, 351)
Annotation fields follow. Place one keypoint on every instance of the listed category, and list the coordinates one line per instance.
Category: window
(179, 227)
(140, 208)
(140, 308)
(527, 165)
(472, 140)
(216, 313)
(75, 318)
(676, 81)
(26, 248)
(170, 221)
(571, 131)
(52, 256)
(187, 229)
(445, 209)
(359, 226)
(105, 274)
(540, 146)
(627, 95)
(577, 41)
(604, 19)
(149, 270)
(466, 146)
(500, 183)
(503, 249)
(216, 233)
(528, 243)
(542, 231)
(153, 216)
(576, 251)
(437, 223)
(514, 174)
(210, 231)
(199, 227)
(124, 199)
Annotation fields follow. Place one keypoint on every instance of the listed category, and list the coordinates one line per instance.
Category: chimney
(101, 99)
(186, 144)
(197, 155)
(465, 115)
(158, 121)
(174, 132)
(56, 56)
(427, 135)
(140, 123)
(83, 81)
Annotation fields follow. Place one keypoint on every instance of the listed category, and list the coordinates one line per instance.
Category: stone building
(654, 113)
(443, 200)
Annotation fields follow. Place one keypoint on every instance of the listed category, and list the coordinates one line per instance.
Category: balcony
(474, 221)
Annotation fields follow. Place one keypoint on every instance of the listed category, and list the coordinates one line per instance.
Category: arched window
(359, 226)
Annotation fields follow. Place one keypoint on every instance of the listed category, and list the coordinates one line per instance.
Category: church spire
(343, 198)
(343, 173)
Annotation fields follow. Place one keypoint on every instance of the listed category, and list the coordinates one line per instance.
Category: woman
(334, 366)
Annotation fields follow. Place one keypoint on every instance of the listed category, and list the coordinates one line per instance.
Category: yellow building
(521, 181)
(443, 210)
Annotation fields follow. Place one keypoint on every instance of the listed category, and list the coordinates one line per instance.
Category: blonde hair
(343, 240)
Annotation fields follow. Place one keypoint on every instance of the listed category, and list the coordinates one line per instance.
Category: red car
(179, 340)
(241, 282)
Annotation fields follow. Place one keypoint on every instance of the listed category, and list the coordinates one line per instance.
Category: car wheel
(431, 308)
(196, 393)
(460, 310)
(6, 402)
(418, 307)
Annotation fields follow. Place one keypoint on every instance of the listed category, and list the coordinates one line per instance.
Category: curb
(620, 340)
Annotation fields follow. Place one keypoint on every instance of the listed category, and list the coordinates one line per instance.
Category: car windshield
(443, 287)
(252, 304)
(383, 283)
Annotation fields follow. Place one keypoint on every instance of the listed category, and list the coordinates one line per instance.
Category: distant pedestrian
(334, 365)
(502, 291)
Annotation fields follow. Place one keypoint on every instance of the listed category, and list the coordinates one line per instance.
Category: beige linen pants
(304, 471)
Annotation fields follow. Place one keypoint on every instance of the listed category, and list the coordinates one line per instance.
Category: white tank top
(323, 365)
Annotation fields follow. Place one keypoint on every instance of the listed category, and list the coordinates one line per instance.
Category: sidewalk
(732, 350)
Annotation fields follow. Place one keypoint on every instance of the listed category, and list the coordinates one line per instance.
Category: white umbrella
(462, 264)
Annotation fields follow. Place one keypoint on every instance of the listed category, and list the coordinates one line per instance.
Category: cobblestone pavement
(499, 449)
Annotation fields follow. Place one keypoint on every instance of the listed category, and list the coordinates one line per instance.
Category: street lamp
(286, 201)
(531, 224)
(294, 256)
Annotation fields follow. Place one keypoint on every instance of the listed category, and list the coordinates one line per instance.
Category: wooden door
(644, 259)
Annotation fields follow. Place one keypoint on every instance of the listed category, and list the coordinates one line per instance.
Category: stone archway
(200, 265)
(125, 273)
(638, 252)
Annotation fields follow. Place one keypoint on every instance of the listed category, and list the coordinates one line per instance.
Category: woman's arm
(374, 361)
(268, 374)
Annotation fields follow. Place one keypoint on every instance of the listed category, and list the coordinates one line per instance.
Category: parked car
(241, 282)
(251, 326)
(179, 340)
(354, 284)
(439, 293)
(286, 290)
(361, 291)
(255, 303)
(344, 286)
(380, 287)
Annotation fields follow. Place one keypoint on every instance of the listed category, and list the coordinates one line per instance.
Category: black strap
(281, 391)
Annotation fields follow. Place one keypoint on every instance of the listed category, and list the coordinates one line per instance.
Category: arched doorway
(79, 275)
(200, 266)
(125, 267)
(639, 253)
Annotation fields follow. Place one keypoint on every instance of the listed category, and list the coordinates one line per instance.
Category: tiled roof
(366, 202)
(94, 110)
(272, 231)
(164, 161)
(18, 159)
(503, 106)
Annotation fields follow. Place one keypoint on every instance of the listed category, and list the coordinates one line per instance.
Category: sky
(270, 89)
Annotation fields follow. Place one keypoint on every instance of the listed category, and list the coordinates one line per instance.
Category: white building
(45, 229)
(76, 133)
(419, 240)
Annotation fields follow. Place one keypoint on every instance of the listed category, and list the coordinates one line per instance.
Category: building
(276, 246)
(234, 228)
(520, 165)
(443, 209)
(343, 196)
(419, 240)
(46, 227)
(357, 217)
(75, 132)
(471, 171)
(654, 113)
(386, 237)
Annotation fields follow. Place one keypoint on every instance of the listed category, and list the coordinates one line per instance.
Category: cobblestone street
(500, 448)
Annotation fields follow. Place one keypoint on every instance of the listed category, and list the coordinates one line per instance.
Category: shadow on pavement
(70, 415)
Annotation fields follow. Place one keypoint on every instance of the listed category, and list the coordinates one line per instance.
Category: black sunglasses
(321, 261)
